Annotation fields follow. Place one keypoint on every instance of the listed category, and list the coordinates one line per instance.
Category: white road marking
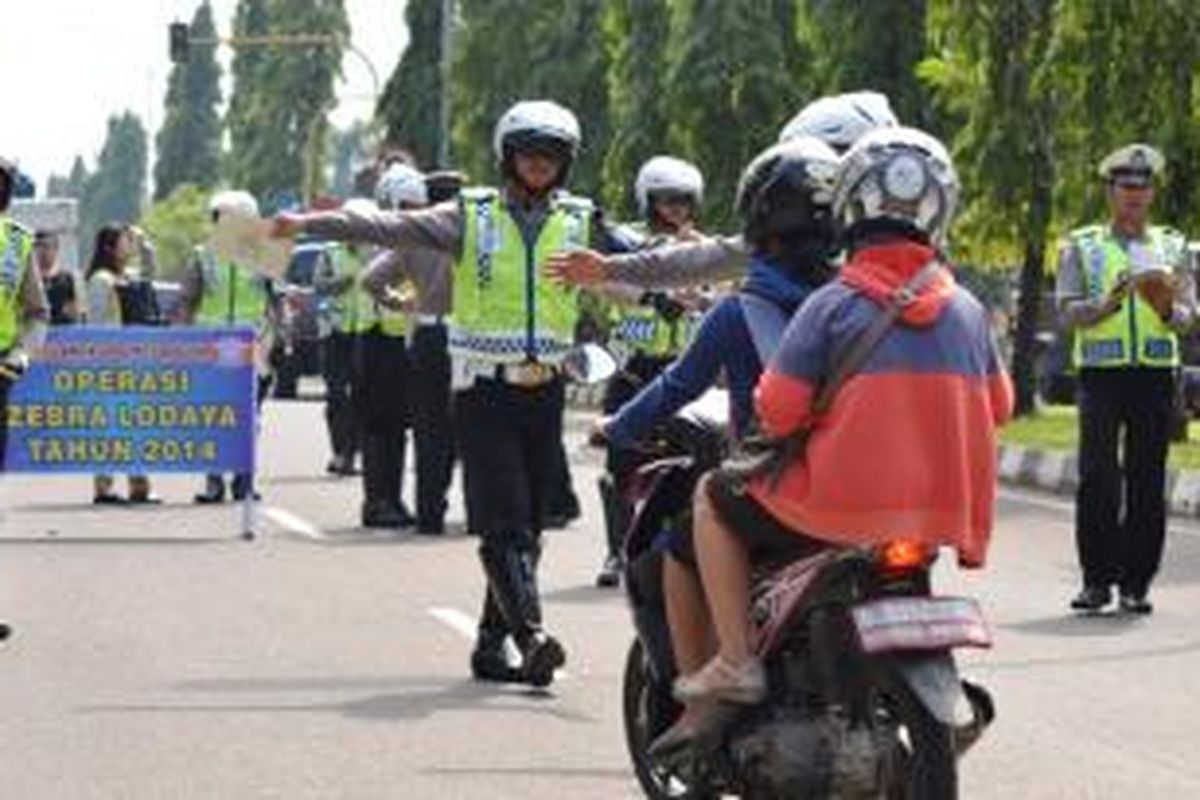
(294, 524)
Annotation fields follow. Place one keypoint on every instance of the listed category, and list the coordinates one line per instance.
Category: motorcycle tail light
(902, 556)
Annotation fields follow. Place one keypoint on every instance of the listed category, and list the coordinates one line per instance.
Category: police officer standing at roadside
(509, 332)
(23, 309)
(1125, 290)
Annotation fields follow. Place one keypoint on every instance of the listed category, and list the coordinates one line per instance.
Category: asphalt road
(157, 655)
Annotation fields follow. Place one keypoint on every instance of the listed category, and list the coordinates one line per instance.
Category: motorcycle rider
(649, 330)
(835, 120)
(784, 201)
(922, 409)
(509, 332)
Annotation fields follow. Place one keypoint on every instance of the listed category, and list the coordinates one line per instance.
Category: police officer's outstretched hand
(286, 225)
(576, 267)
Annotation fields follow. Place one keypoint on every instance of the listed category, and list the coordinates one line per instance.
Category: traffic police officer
(649, 331)
(1125, 290)
(215, 294)
(23, 309)
(509, 332)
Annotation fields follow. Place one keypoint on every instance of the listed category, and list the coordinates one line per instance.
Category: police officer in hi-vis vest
(216, 293)
(1124, 289)
(509, 332)
(23, 308)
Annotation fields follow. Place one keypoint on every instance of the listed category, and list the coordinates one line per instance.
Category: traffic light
(179, 41)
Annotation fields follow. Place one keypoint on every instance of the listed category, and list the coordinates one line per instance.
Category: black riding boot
(511, 573)
(489, 659)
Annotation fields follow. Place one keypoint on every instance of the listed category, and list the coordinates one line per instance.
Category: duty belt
(527, 374)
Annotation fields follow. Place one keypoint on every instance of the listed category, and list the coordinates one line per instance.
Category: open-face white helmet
(537, 125)
(897, 175)
(233, 203)
(401, 185)
(668, 175)
(360, 206)
(840, 120)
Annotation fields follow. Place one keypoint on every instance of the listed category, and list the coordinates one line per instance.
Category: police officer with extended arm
(216, 292)
(1125, 290)
(509, 333)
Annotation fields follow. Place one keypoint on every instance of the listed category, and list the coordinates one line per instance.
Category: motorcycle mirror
(589, 364)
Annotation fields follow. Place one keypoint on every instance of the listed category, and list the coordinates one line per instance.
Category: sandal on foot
(721, 680)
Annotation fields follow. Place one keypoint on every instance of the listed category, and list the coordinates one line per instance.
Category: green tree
(865, 44)
(71, 185)
(735, 79)
(189, 141)
(115, 190)
(525, 49)
(177, 224)
(637, 33)
(998, 73)
(278, 116)
(410, 107)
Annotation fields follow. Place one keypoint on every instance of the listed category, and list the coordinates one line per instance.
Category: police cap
(1133, 163)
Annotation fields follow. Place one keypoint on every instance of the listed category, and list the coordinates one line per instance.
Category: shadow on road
(422, 698)
(584, 593)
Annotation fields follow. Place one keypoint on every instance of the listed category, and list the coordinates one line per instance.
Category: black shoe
(5, 631)
(406, 517)
(214, 492)
(240, 494)
(1092, 598)
(489, 662)
(108, 499)
(609, 575)
(540, 657)
(430, 529)
(1132, 603)
(384, 515)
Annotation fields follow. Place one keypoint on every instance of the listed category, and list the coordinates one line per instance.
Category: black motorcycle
(864, 698)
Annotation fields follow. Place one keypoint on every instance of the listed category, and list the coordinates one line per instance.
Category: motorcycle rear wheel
(646, 711)
(926, 763)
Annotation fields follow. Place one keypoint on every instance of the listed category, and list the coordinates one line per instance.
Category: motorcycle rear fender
(933, 679)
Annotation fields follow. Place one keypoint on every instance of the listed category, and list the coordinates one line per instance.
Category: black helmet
(787, 190)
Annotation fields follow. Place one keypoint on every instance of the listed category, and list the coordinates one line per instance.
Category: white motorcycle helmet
(540, 125)
(401, 185)
(233, 203)
(670, 175)
(840, 120)
(901, 176)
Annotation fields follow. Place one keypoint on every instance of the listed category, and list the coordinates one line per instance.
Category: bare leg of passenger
(687, 617)
(725, 572)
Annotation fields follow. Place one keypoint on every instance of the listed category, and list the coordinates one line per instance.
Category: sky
(70, 64)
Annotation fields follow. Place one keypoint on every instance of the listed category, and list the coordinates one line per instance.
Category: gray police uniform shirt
(674, 266)
(1078, 310)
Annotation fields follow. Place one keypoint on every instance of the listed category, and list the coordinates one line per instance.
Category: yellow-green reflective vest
(16, 245)
(1135, 335)
(359, 312)
(644, 330)
(233, 295)
(504, 312)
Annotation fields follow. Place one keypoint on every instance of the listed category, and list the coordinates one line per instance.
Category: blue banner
(137, 399)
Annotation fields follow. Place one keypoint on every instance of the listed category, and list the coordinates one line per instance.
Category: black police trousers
(508, 439)
(1120, 509)
(341, 416)
(380, 390)
(432, 423)
(5, 385)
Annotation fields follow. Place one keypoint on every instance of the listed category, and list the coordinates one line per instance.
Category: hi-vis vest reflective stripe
(356, 311)
(1135, 335)
(232, 295)
(16, 245)
(503, 311)
(644, 330)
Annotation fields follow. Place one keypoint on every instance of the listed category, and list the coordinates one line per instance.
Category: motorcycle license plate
(920, 623)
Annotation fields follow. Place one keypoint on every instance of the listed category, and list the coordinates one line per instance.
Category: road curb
(1058, 472)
